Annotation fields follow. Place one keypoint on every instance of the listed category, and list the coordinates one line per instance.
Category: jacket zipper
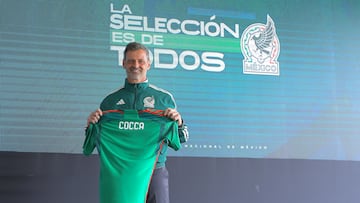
(135, 95)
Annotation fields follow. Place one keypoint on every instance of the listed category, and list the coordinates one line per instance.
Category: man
(138, 94)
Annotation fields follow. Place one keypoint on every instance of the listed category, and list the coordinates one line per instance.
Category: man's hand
(173, 115)
(94, 117)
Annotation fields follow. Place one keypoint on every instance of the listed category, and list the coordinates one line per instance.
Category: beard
(136, 74)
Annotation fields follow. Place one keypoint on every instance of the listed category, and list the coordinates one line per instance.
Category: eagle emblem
(260, 47)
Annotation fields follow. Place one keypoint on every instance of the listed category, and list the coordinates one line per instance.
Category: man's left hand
(174, 115)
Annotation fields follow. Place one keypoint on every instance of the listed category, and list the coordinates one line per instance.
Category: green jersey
(142, 96)
(129, 143)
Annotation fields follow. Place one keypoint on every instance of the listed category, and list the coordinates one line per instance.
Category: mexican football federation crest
(260, 47)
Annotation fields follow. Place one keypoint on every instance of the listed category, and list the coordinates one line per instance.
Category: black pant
(159, 187)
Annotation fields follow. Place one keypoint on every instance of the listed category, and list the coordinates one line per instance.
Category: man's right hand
(94, 117)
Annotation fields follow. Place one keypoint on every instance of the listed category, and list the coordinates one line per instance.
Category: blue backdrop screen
(255, 79)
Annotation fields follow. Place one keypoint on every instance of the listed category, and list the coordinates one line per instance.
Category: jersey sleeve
(90, 139)
(172, 136)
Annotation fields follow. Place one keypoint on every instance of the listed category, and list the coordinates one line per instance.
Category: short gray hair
(133, 46)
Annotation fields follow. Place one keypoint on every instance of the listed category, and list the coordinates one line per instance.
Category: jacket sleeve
(183, 133)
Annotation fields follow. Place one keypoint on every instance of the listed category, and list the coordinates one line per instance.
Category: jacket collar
(138, 86)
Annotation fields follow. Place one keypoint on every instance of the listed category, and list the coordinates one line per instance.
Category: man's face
(136, 65)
